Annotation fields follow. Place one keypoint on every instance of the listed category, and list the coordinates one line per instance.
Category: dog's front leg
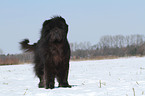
(62, 75)
(49, 75)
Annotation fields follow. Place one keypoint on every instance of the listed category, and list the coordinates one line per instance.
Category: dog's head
(55, 29)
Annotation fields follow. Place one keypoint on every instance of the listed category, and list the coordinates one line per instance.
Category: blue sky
(88, 20)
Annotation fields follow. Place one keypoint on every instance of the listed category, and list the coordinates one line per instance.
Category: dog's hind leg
(39, 71)
(42, 81)
(40, 74)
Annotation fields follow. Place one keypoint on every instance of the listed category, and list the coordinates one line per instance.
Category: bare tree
(1, 52)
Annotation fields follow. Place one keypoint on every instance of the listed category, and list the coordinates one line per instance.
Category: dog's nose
(56, 30)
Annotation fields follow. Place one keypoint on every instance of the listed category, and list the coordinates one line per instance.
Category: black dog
(51, 53)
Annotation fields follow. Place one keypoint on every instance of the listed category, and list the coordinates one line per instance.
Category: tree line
(108, 45)
(10, 59)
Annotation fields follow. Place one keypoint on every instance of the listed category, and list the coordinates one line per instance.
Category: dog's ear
(62, 19)
(46, 22)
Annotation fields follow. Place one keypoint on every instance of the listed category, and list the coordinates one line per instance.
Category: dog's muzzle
(56, 35)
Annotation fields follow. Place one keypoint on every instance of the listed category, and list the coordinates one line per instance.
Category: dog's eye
(47, 31)
(60, 25)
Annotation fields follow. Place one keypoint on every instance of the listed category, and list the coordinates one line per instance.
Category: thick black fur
(51, 53)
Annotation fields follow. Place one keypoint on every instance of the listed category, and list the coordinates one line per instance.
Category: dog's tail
(27, 47)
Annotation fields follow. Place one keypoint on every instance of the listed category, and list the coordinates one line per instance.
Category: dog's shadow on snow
(66, 87)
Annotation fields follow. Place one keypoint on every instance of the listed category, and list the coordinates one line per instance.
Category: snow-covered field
(116, 77)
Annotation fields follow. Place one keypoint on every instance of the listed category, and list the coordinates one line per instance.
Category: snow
(114, 77)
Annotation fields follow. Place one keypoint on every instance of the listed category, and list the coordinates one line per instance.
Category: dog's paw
(41, 85)
(65, 85)
(49, 86)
